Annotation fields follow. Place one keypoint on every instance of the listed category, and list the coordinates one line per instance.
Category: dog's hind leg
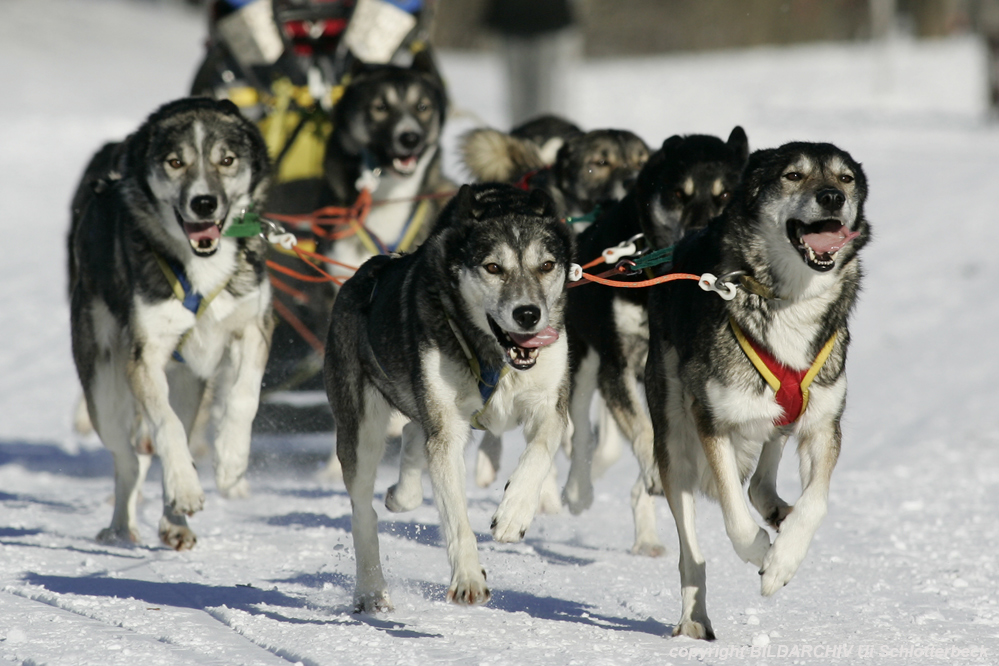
(238, 386)
(360, 445)
(608, 449)
(763, 485)
(818, 450)
(578, 491)
(115, 417)
(407, 493)
(487, 462)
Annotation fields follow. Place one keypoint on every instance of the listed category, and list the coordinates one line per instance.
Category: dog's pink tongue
(197, 231)
(542, 338)
(827, 242)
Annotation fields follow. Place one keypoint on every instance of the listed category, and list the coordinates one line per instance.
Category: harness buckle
(575, 273)
(276, 234)
(626, 248)
(724, 285)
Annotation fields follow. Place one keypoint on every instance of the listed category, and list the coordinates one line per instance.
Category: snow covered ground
(903, 570)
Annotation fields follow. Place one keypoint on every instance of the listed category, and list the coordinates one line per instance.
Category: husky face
(811, 196)
(599, 166)
(202, 168)
(510, 261)
(392, 115)
(689, 181)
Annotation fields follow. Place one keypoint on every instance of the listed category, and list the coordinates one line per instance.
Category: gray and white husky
(728, 381)
(468, 329)
(164, 300)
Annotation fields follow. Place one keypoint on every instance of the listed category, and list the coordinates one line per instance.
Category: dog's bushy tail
(492, 156)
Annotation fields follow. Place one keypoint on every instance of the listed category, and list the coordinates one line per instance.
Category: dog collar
(789, 386)
(488, 378)
(185, 293)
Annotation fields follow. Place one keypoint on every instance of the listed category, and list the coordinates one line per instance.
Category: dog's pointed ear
(672, 143)
(756, 171)
(541, 202)
(464, 203)
(424, 63)
(739, 143)
(227, 106)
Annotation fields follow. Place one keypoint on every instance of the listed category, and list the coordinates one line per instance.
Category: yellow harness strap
(768, 367)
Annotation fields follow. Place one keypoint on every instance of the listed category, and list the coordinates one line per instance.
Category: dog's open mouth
(405, 166)
(203, 236)
(522, 348)
(819, 242)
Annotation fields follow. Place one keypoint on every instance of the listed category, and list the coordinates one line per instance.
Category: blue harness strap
(192, 300)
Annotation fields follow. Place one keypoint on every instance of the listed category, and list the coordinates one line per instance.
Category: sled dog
(164, 299)
(685, 183)
(589, 168)
(728, 381)
(466, 330)
(386, 137)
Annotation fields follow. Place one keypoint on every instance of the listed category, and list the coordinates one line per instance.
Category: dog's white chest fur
(394, 204)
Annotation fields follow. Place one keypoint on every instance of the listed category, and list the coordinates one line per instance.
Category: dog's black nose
(409, 140)
(527, 316)
(831, 199)
(204, 205)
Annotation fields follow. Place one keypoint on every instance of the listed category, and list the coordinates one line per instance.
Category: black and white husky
(685, 183)
(468, 329)
(728, 381)
(165, 299)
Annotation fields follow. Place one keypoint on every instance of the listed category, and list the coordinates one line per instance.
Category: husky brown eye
(679, 194)
(726, 195)
(379, 107)
(793, 176)
(175, 163)
(846, 178)
(548, 267)
(227, 160)
(493, 269)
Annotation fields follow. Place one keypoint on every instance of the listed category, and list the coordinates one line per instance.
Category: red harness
(525, 181)
(790, 386)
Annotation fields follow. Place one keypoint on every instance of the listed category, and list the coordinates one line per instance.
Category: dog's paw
(373, 602)
(577, 494)
(648, 549)
(178, 537)
(238, 490)
(183, 494)
(403, 497)
(781, 563)
(118, 537)
(700, 630)
(485, 472)
(513, 517)
(468, 588)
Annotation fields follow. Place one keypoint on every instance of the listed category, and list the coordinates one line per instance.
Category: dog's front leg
(446, 462)
(818, 450)
(763, 485)
(751, 541)
(182, 494)
(544, 433)
(239, 389)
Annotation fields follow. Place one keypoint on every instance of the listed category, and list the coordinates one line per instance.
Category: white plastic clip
(368, 180)
(726, 290)
(626, 249)
(285, 240)
(575, 272)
